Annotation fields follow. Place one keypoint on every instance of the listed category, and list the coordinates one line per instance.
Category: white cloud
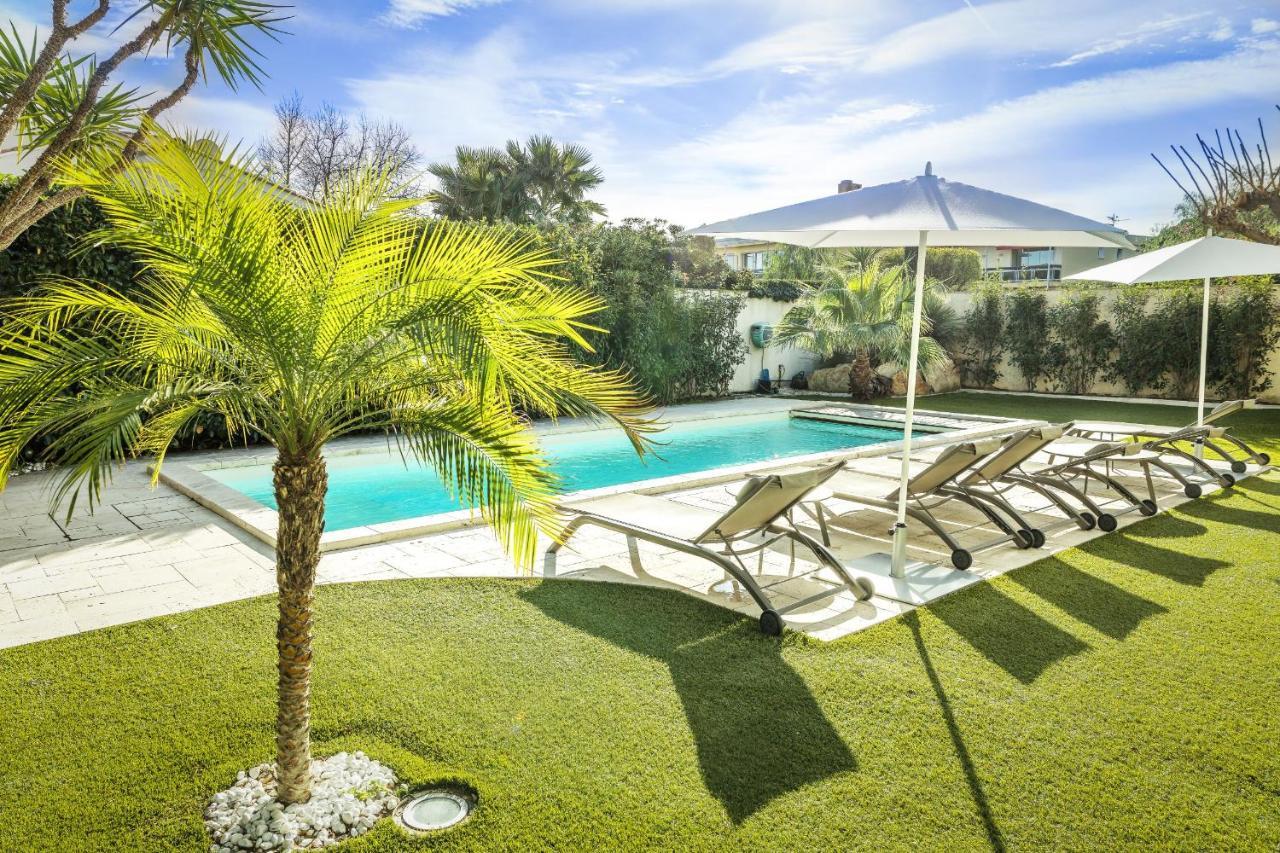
(1262, 26)
(409, 13)
(232, 119)
(1023, 146)
(1041, 27)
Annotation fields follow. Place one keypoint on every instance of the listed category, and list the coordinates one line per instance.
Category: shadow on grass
(1009, 635)
(1174, 527)
(1123, 547)
(1214, 508)
(1104, 606)
(994, 835)
(759, 732)
(1259, 484)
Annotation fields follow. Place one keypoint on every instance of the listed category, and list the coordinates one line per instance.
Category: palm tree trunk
(300, 484)
(861, 376)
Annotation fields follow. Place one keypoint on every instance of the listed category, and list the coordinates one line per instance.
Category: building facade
(1010, 264)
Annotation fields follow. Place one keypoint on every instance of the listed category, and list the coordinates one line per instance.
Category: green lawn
(1124, 694)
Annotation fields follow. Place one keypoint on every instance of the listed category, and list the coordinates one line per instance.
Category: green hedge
(55, 247)
(1148, 340)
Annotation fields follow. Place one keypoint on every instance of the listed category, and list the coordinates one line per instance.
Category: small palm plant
(302, 325)
(858, 308)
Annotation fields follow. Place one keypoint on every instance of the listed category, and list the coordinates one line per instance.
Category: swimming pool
(374, 488)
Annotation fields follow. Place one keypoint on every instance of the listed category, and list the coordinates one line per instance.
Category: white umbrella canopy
(894, 214)
(924, 210)
(1205, 257)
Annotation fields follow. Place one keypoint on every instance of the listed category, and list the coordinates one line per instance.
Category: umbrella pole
(917, 308)
(1204, 361)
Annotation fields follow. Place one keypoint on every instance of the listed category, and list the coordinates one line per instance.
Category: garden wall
(792, 360)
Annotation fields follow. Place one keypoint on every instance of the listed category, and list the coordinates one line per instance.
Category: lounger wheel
(1148, 507)
(1238, 467)
(1228, 481)
(863, 589)
(770, 623)
(961, 559)
(1024, 539)
(1264, 458)
(1087, 521)
(1192, 490)
(1037, 537)
(1107, 522)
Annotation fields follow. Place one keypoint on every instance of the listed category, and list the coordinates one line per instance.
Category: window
(731, 258)
(1036, 257)
(756, 261)
(1102, 254)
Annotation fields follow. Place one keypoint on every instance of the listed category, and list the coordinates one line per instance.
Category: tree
(312, 154)
(539, 182)
(59, 104)
(303, 325)
(1236, 191)
(860, 310)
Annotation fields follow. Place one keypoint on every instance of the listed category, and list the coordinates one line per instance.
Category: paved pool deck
(147, 551)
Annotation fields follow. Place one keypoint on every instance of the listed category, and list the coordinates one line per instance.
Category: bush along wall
(666, 325)
(980, 341)
(1146, 339)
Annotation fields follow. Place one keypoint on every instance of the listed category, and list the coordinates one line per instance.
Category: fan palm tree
(557, 179)
(302, 325)
(858, 309)
(539, 182)
(481, 185)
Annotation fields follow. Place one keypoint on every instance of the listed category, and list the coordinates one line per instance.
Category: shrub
(1082, 342)
(677, 343)
(55, 247)
(954, 267)
(980, 342)
(1027, 332)
(1179, 330)
(778, 290)
(1242, 339)
(1140, 342)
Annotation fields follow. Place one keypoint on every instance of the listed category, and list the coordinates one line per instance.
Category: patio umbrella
(1208, 258)
(925, 210)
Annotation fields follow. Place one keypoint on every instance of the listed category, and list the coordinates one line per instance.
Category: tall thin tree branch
(59, 35)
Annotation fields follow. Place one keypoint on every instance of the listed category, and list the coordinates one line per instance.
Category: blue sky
(701, 109)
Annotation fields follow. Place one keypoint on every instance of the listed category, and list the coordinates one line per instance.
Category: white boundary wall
(793, 360)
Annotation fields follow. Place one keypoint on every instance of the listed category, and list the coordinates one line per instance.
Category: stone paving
(148, 551)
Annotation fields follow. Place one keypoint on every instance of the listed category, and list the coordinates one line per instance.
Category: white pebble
(247, 815)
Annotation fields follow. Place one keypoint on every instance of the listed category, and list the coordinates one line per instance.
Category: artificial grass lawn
(1119, 695)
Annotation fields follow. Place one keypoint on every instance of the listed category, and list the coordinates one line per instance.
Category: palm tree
(481, 185)
(539, 182)
(557, 179)
(302, 325)
(859, 309)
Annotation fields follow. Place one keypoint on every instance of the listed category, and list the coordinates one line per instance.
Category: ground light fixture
(437, 809)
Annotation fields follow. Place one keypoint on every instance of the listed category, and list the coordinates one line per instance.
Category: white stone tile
(140, 578)
(50, 585)
(39, 608)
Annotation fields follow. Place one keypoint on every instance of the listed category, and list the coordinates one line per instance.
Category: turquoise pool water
(375, 488)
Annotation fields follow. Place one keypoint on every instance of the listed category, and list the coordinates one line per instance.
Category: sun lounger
(1210, 437)
(932, 486)
(1073, 465)
(756, 521)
